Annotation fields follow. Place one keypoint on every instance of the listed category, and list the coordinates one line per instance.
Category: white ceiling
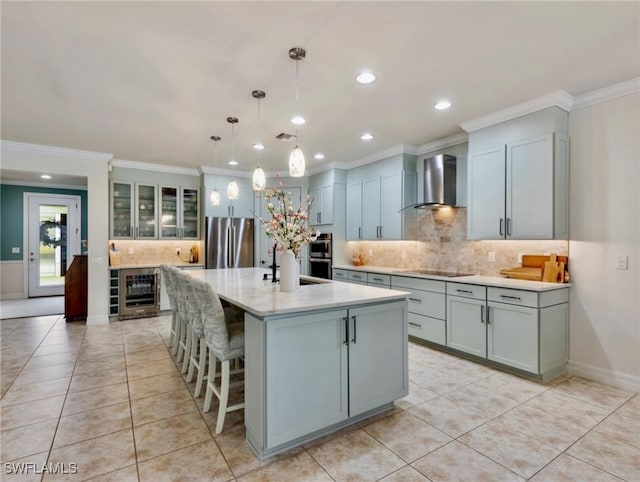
(152, 81)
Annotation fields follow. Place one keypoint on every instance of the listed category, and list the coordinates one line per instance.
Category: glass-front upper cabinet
(169, 212)
(146, 207)
(121, 210)
(190, 213)
(179, 213)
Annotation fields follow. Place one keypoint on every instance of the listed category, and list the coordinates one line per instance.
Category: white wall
(605, 223)
(93, 166)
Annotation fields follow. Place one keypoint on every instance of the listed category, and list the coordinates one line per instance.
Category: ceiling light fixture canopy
(232, 187)
(259, 180)
(296, 158)
(214, 199)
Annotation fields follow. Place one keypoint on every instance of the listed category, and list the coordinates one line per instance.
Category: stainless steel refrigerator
(229, 242)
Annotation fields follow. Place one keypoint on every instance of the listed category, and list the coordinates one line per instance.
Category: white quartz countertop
(495, 281)
(245, 288)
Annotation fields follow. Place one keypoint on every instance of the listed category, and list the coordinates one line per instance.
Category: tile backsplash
(442, 245)
(156, 252)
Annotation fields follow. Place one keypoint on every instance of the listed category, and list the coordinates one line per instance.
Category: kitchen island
(317, 359)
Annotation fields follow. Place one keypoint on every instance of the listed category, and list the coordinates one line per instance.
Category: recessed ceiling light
(45, 176)
(298, 120)
(319, 155)
(366, 136)
(258, 146)
(365, 77)
(233, 163)
(442, 105)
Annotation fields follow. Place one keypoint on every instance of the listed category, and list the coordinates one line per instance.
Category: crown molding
(443, 143)
(559, 98)
(147, 166)
(377, 156)
(610, 92)
(55, 151)
(219, 171)
(72, 187)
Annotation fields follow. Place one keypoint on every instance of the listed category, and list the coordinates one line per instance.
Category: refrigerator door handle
(234, 240)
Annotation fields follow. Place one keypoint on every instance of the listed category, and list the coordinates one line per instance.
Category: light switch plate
(622, 262)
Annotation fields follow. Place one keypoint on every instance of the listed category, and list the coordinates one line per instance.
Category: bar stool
(167, 277)
(224, 342)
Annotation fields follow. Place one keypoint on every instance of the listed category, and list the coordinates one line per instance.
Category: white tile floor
(111, 400)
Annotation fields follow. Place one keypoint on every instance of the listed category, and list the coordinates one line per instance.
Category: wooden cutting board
(532, 274)
(538, 260)
(551, 269)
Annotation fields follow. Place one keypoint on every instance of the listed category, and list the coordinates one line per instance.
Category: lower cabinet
(526, 330)
(324, 368)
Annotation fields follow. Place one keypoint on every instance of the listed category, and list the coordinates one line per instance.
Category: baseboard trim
(11, 296)
(603, 375)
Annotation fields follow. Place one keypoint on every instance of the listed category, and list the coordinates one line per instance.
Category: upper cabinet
(134, 208)
(144, 207)
(325, 190)
(243, 207)
(376, 195)
(179, 212)
(518, 188)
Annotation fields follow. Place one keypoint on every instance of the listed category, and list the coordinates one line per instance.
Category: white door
(53, 238)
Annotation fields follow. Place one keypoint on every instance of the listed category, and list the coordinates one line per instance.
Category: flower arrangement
(288, 226)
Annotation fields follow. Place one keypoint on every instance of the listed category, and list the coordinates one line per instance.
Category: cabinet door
(377, 356)
(371, 208)
(169, 222)
(122, 202)
(390, 206)
(530, 188)
(466, 329)
(354, 211)
(307, 366)
(146, 211)
(512, 336)
(190, 213)
(316, 206)
(326, 205)
(486, 203)
(243, 206)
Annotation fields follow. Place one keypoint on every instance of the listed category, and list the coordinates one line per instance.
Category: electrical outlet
(491, 257)
(178, 251)
(131, 250)
(15, 250)
(622, 262)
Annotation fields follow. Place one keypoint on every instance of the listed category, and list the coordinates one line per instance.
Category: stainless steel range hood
(439, 182)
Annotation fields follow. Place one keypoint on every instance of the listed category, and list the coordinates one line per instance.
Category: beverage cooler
(139, 292)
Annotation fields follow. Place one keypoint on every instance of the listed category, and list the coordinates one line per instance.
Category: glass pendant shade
(214, 199)
(259, 180)
(296, 162)
(232, 189)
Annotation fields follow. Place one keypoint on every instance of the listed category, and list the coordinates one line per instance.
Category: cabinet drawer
(357, 277)
(467, 290)
(341, 274)
(379, 279)
(419, 284)
(513, 297)
(427, 328)
(427, 303)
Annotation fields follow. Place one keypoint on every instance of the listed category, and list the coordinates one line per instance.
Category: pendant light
(259, 180)
(232, 187)
(296, 158)
(214, 200)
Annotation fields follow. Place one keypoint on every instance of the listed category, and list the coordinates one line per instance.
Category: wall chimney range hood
(439, 182)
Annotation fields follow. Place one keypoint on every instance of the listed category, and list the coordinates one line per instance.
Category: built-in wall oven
(320, 256)
(139, 292)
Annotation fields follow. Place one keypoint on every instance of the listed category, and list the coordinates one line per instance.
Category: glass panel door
(146, 211)
(169, 212)
(121, 210)
(190, 214)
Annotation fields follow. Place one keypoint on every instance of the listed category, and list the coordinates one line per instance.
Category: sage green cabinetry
(243, 207)
(376, 195)
(322, 207)
(179, 212)
(525, 330)
(427, 307)
(518, 179)
(134, 209)
(326, 190)
(325, 368)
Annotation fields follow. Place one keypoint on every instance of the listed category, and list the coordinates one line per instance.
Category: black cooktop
(445, 274)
